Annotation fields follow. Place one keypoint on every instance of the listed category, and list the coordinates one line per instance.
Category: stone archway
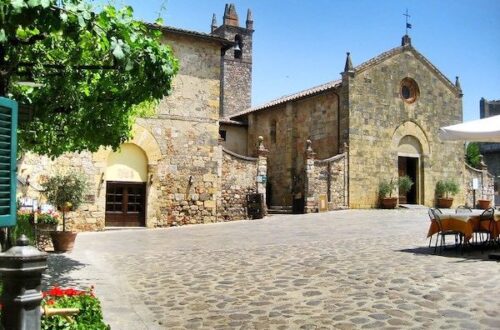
(411, 146)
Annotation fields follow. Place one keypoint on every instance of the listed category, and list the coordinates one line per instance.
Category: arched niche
(129, 164)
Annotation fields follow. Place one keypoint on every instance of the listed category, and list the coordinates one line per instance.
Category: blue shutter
(8, 153)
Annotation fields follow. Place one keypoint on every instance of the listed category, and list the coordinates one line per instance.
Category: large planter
(444, 203)
(63, 241)
(483, 203)
(389, 202)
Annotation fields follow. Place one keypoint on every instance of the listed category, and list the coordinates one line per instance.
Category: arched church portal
(409, 163)
(126, 176)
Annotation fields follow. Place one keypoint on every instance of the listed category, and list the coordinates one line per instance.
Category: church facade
(379, 121)
(206, 150)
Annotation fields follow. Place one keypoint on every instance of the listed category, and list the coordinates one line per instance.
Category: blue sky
(299, 44)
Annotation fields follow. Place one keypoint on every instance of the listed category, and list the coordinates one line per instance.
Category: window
(409, 90)
(222, 135)
(272, 131)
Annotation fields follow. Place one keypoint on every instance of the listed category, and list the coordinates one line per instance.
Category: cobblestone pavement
(351, 269)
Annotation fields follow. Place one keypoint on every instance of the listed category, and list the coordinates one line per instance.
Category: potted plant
(404, 185)
(445, 189)
(385, 189)
(66, 192)
(483, 203)
(47, 221)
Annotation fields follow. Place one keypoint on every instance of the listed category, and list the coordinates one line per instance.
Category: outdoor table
(465, 224)
(461, 223)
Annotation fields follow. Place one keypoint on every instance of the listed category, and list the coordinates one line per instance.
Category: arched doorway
(126, 176)
(409, 163)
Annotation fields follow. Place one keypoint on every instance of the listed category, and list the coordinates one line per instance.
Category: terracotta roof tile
(291, 97)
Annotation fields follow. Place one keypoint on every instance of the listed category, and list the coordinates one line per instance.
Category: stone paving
(351, 269)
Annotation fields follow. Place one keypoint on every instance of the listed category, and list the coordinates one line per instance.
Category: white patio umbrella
(481, 130)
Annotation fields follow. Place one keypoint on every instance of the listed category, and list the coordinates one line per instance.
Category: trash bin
(255, 206)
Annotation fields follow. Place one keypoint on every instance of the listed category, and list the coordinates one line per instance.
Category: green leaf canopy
(90, 73)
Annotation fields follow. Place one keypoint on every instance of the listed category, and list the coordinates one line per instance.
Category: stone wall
(485, 189)
(239, 175)
(33, 169)
(286, 128)
(326, 177)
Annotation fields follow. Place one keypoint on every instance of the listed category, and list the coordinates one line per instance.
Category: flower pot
(444, 203)
(483, 203)
(63, 241)
(389, 202)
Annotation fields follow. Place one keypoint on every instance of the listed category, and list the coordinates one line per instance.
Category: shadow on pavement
(469, 253)
(58, 271)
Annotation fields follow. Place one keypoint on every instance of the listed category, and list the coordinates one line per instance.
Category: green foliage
(404, 184)
(94, 72)
(385, 188)
(24, 226)
(47, 218)
(447, 188)
(65, 191)
(472, 155)
(90, 314)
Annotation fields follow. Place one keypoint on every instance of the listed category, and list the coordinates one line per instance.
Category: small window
(409, 90)
(272, 131)
(222, 135)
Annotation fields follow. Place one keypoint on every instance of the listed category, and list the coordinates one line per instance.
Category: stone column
(261, 179)
(311, 204)
(21, 268)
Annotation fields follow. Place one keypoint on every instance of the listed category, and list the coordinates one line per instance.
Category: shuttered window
(8, 149)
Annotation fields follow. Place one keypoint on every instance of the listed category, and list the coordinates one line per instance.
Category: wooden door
(125, 204)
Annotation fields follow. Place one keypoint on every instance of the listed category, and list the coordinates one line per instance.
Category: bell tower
(236, 73)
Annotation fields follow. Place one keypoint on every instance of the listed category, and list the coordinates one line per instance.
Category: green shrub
(404, 183)
(50, 218)
(385, 188)
(473, 155)
(447, 188)
(24, 225)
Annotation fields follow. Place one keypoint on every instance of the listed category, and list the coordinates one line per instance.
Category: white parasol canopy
(481, 130)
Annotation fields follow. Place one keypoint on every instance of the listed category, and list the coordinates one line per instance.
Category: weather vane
(408, 25)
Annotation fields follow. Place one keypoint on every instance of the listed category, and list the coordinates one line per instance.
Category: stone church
(206, 149)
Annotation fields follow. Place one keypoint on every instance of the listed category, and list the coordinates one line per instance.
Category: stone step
(279, 210)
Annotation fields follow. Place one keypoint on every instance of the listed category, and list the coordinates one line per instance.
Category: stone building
(174, 171)
(491, 151)
(335, 142)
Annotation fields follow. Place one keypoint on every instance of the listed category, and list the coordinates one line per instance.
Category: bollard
(21, 268)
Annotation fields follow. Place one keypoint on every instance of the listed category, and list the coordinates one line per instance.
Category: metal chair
(436, 215)
(431, 216)
(487, 217)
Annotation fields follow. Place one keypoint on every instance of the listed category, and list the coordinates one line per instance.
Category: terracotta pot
(63, 241)
(444, 203)
(46, 227)
(389, 202)
(483, 203)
